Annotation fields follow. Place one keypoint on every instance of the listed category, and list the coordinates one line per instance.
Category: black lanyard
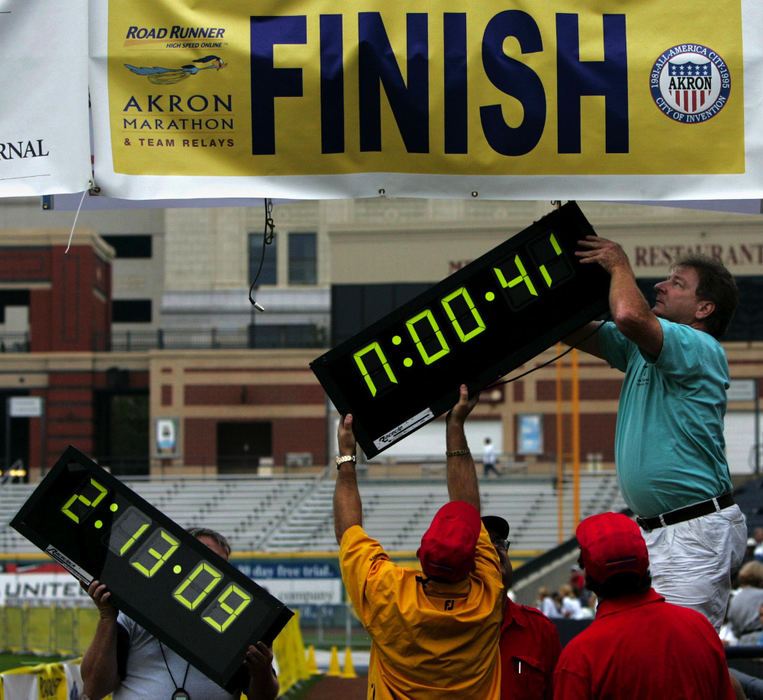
(180, 691)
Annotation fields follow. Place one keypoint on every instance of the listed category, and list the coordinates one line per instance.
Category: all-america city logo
(690, 83)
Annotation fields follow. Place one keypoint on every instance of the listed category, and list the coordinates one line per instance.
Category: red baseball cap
(611, 543)
(447, 547)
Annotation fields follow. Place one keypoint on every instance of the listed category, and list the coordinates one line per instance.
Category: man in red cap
(529, 644)
(434, 636)
(639, 646)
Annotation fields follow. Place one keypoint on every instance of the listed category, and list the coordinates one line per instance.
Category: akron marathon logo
(690, 83)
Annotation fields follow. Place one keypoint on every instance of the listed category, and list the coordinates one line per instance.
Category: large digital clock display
(181, 591)
(473, 327)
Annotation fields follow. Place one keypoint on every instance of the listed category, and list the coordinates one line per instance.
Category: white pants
(692, 562)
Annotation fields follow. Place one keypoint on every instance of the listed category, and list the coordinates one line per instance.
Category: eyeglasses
(501, 544)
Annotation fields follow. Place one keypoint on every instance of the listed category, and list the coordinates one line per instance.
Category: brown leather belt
(681, 514)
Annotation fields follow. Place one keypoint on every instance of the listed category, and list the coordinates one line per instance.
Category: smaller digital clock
(181, 591)
(472, 327)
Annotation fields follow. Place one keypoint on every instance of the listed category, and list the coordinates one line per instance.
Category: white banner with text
(44, 130)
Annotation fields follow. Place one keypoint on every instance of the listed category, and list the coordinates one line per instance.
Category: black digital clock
(473, 327)
(178, 589)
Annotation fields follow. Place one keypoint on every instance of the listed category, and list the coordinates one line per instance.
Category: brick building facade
(232, 410)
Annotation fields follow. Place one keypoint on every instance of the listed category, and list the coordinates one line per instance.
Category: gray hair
(213, 535)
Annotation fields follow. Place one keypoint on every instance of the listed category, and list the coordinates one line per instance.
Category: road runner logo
(161, 75)
(690, 83)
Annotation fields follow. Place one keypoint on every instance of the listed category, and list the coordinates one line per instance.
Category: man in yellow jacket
(434, 635)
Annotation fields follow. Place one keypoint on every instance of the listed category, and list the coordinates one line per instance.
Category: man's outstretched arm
(630, 310)
(348, 508)
(461, 474)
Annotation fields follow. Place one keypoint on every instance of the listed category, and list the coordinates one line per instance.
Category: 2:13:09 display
(520, 278)
(149, 547)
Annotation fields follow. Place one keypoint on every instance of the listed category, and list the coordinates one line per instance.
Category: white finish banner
(44, 130)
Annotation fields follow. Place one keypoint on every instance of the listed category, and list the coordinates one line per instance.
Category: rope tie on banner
(92, 188)
(267, 239)
(74, 223)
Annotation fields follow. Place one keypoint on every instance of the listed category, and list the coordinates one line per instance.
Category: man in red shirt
(529, 641)
(639, 646)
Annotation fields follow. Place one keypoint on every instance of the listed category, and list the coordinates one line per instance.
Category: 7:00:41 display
(473, 327)
(512, 280)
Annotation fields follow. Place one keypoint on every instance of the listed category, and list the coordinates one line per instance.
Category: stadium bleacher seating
(278, 514)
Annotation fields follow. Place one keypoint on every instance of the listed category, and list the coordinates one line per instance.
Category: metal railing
(249, 337)
(252, 336)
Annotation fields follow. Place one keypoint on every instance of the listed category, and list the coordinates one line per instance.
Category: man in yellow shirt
(434, 635)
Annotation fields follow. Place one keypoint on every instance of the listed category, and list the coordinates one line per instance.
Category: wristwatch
(346, 458)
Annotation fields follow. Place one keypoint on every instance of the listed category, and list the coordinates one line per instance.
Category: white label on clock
(75, 570)
(404, 428)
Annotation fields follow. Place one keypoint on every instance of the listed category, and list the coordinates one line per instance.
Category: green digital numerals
(228, 606)
(81, 503)
(520, 286)
(427, 336)
(374, 367)
(197, 585)
(147, 547)
(521, 277)
(154, 553)
(548, 259)
(221, 613)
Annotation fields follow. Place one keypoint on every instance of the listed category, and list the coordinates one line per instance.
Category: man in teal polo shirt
(669, 445)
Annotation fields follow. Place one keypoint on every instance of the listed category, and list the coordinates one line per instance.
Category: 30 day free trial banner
(597, 99)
